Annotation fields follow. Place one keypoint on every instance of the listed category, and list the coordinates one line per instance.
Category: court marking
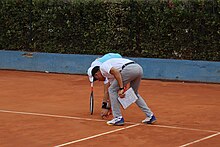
(183, 128)
(97, 135)
(54, 115)
(199, 140)
(100, 120)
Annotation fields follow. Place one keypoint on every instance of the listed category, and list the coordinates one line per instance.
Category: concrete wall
(183, 70)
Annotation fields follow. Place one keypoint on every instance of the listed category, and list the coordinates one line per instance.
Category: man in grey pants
(121, 71)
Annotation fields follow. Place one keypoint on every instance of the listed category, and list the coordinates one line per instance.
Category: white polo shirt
(117, 63)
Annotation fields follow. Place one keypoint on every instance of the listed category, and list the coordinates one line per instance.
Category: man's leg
(118, 120)
(133, 74)
(113, 95)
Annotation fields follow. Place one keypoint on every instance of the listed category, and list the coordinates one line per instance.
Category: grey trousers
(132, 74)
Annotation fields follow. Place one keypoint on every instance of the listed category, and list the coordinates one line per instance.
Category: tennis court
(47, 109)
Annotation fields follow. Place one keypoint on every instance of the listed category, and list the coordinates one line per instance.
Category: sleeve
(105, 69)
(106, 81)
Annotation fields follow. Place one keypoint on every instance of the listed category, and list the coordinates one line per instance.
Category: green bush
(135, 28)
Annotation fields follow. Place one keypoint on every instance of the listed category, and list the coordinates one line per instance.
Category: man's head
(94, 71)
(95, 74)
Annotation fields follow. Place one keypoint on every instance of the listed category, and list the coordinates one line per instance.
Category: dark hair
(94, 71)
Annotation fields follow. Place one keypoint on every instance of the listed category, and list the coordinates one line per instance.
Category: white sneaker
(149, 120)
(117, 121)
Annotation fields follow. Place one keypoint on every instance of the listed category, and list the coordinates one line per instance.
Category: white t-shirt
(117, 63)
(96, 63)
(101, 60)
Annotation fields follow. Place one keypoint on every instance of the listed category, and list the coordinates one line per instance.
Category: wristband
(105, 105)
(121, 88)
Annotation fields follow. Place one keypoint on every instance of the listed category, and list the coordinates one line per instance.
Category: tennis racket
(91, 100)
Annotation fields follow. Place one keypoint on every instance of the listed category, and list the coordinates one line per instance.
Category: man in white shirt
(105, 111)
(120, 72)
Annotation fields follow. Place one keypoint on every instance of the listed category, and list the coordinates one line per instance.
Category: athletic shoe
(150, 120)
(117, 121)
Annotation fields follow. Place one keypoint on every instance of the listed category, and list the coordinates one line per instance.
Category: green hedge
(153, 29)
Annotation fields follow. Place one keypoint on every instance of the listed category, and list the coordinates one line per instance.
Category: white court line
(182, 128)
(101, 120)
(94, 136)
(49, 115)
(199, 140)
(52, 115)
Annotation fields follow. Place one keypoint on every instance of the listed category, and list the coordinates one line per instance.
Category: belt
(127, 65)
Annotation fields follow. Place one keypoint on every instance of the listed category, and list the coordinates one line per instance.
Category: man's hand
(121, 93)
(106, 111)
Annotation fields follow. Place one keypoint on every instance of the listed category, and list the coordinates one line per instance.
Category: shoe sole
(118, 124)
(151, 122)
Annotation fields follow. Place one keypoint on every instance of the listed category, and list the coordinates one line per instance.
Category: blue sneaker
(150, 120)
(117, 121)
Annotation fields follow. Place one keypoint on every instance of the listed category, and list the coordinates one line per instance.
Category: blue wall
(183, 70)
(59, 63)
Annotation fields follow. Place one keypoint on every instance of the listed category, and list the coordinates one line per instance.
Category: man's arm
(106, 95)
(116, 73)
(106, 106)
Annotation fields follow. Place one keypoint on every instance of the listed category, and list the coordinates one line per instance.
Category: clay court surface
(46, 110)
